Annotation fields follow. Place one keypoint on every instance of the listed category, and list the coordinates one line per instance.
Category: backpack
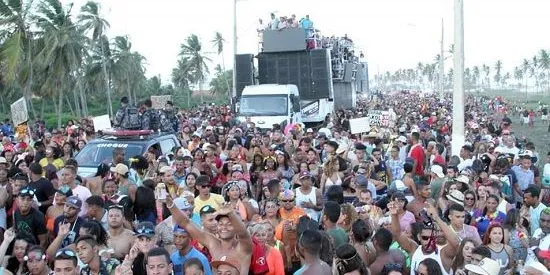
(131, 119)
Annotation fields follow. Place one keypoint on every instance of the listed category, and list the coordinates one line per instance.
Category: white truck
(269, 104)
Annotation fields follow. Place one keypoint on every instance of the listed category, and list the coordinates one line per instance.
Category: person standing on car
(119, 116)
(150, 119)
(168, 119)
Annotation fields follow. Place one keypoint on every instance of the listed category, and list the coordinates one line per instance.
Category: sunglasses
(145, 230)
(27, 191)
(116, 206)
(65, 252)
(204, 186)
(469, 198)
(425, 238)
(287, 200)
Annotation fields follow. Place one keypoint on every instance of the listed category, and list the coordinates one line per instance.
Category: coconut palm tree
(62, 54)
(182, 77)
(218, 43)
(525, 67)
(544, 63)
(16, 51)
(475, 76)
(192, 50)
(487, 71)
(498, 69)
(91, 20)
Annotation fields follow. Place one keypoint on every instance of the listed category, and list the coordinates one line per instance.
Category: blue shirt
(179, 260)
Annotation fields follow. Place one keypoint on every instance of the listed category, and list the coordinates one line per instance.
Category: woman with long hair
(285, 165)
(268, 173)
(347, 216)
(428, 266)
(15, 263)
(501, 252)
(36, 260)
(330, 175)
(348, 262)
(482, 219)
(145, 207)
(516, 234)
(470, 201)
(232, 195)
(464, 255)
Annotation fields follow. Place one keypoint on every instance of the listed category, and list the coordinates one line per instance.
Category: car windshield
(264, 105)
(95, 153)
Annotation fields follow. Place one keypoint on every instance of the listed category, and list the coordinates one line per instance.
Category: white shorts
(544, 117)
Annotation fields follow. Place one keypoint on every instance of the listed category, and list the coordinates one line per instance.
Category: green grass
(539, 135)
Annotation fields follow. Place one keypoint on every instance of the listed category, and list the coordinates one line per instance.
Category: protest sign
(160, 100)
(19, 113)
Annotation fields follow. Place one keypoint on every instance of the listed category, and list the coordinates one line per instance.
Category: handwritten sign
(19, 113)
(159, 101)
(359, 125)
(380, 118)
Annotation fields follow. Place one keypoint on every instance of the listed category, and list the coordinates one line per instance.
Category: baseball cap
(402, 139)
(146, 229)
(487, 266)
(207, 209)
(437, 170)
(166, 169)
(64, 190)
(182, 204)
(120, 169)
(179, 230)
(227, 261)
(74, 201)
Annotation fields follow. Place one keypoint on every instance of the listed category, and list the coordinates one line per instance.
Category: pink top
(406, 221)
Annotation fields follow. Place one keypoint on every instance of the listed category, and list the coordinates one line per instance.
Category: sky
(393, 34)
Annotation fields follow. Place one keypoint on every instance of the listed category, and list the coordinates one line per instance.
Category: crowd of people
(295, 200)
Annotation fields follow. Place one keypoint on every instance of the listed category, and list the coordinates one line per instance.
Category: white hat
(437, 170)
(120, 168)
(456, 197)
(340, 150)
(402, 139)
(309, 130)
(3, 160)
(166, 169)
(462, 178)
(487, 266)
(209, 127)
(526, 153)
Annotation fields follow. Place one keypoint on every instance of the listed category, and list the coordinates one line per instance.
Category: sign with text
(160, 100)
(359, 125)
(19, 113)
(380, 118)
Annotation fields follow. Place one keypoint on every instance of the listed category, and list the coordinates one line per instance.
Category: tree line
(69, 63)
(531, 75)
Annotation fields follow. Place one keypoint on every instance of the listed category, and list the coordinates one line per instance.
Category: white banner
(19, 113)
(359, 125)
(159, 101)
(102, 123)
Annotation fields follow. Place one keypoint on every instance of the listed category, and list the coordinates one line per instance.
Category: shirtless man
(233, 238)
(423, 196)
(382, 241)
(309, 248)
(95, 183)
(120, 239)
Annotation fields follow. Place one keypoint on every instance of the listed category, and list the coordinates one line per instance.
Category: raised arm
(245, 240)
(402, 239)
(196, 233)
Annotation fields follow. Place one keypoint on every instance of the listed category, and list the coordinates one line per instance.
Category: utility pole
(458, 78)
(234, 89)
(442, 64)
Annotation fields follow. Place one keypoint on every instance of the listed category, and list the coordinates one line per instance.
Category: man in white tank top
(427, 237)
(308, 196)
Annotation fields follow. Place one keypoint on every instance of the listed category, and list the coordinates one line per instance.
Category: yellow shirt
(215, 201)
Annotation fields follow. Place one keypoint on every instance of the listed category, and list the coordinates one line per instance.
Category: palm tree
(16, 51)
(218, 43)
(533, 71)
(475, 75)
(182, 76)
(487, 70)
(192, 49)
(62, 53)
(544, 60)
(518, 75)
(498, 69)
(92, 21)
(525, 65)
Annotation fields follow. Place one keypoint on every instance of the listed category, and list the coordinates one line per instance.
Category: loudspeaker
(320, 72)
(245, 71)
(348, 72)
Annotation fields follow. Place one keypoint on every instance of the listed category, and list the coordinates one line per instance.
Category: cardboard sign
(380, 118)
(19, 113)
(101, 123)
(359, 125)
(159, 101)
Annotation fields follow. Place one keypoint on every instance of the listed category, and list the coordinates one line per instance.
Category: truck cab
(269, 104)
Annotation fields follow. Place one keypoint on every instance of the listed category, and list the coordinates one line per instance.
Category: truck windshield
(95, 153)
(264, 105)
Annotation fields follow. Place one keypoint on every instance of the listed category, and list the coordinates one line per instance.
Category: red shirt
(417, 153)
